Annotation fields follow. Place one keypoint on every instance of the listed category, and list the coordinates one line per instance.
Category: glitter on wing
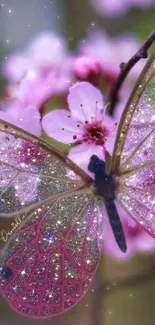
(29, 172)
(53, 260)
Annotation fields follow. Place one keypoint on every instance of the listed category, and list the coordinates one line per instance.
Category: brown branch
(125, 69)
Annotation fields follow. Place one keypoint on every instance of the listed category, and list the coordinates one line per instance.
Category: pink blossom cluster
(118, 7)
(34, 76)
(46, 69)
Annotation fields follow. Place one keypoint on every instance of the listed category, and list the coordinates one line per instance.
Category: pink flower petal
(26, 118)
(111, 8)
(110, 140)
(58, 126)
(82, 153)
(39, 71)
(17, 66)
(145, 243)
(48, 49)
(83, 93)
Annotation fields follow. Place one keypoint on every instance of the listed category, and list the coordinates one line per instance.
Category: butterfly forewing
(31, 172)
(136, 134)
(134, 154)
(53, 256)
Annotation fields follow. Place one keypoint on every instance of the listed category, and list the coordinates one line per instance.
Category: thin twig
(142, 53)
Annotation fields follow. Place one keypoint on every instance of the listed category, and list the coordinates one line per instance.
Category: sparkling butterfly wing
(53, 254)
(30, 171)
(134, 152)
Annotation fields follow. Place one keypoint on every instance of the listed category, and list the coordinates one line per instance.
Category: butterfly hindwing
(53, 256)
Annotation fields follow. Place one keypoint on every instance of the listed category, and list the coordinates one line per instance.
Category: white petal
(85, 101)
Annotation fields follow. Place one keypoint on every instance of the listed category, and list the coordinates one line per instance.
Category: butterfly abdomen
(116, 224)
(105, 187)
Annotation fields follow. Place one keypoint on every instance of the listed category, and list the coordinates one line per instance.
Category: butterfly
(52, 212)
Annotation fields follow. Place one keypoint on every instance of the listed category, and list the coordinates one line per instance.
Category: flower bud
(87, 69)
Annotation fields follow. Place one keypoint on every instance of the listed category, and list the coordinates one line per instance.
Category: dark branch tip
(122, 65)
(143, 54)
(125, 69)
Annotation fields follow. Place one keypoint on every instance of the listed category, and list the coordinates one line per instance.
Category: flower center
(95, 133)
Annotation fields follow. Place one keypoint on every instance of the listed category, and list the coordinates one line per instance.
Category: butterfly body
(104, 183)
(105, 186)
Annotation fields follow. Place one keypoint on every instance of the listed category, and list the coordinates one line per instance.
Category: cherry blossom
(111, 52)
(85, 124)
(27, 118)
(39, 72)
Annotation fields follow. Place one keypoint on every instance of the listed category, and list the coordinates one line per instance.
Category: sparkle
(48, 238)
(88, 261)
(153, 118)
(23, 272)
(15, 288)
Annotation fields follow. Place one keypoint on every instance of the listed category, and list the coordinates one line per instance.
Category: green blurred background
(122, 293)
